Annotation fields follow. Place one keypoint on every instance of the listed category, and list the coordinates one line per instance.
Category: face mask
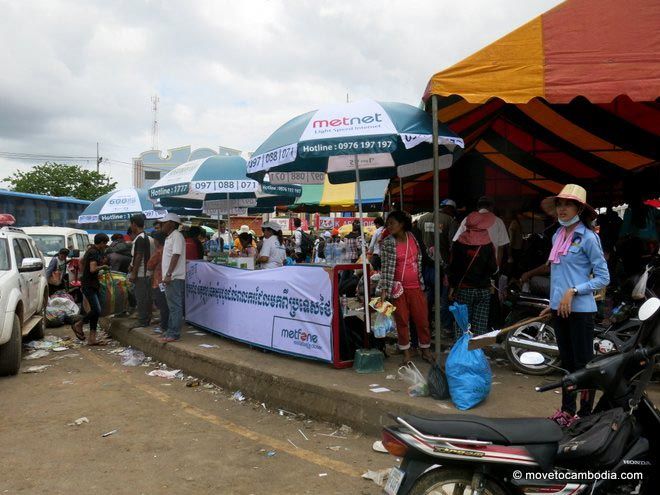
(568, 223)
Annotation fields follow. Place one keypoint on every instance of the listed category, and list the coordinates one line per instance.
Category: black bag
(598, 440)
(437, 380)
(306, 243)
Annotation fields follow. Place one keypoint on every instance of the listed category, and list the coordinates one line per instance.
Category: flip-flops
(78, 331)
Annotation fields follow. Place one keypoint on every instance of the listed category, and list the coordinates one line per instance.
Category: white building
(150, 166)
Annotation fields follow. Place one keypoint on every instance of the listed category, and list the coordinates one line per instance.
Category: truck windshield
(49, 244)
(4, 255)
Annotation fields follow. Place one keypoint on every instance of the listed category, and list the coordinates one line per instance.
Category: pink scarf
(561, 245)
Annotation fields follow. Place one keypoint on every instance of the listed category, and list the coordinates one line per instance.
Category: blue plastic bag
(468, 374)
(382, 325)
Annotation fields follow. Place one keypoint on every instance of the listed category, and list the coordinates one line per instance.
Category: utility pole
(99, 159)
(154, 127)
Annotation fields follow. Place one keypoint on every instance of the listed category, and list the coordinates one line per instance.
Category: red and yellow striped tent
(571, 96)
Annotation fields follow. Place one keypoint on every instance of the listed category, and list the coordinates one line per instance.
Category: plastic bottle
(344, 305)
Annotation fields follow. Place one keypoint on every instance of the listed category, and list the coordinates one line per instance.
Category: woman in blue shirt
(577, 270)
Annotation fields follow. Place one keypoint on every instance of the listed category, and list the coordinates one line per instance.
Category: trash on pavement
(38, 354)
(291, 443)
(132, 357)
(79, 421)
(169, 374)
(335, 448)
(390, 377)
(238, 396)
(208, 346)
(321, 475)
(378, 477)
(379, 447)
(193, 383)
(271, 453)
(60, 349)
(419, 387)
(112, 432)
(345, 430)
(65, 356)
(37, 369)
(380, 390)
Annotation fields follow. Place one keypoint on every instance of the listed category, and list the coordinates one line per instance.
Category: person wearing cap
(471, 266)
(577, 269)
(273, 252)
(496, 229)
(244, 231)
(56, 272)
(174, 271)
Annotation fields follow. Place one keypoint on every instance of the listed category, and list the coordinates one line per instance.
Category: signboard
(288, 309)
(329, 223)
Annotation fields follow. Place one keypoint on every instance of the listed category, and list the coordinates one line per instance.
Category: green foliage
(60, 179)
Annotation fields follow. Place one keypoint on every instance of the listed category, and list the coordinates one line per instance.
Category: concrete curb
(361, 412)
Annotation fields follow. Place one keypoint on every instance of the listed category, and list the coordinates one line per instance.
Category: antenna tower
(154, 126)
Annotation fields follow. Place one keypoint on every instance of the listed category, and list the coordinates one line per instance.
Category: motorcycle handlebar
(549, 386)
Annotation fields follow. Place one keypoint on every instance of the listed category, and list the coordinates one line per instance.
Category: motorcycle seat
(502, 431)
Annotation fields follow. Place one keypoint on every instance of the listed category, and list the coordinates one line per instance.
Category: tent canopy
(571, 96)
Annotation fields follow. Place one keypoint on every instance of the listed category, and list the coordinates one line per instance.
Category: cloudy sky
(226, 72)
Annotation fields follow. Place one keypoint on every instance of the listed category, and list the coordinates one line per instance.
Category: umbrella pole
(365, 273)
(400, 194)
(436, 221)
(231, 236)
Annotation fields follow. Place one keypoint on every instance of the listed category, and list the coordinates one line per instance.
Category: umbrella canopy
(120, 205)
(217, 178)
(341, 197)
(569, 97)
(386, 138)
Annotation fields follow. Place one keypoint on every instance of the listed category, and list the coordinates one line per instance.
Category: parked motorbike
(466, 454)
(616, 333)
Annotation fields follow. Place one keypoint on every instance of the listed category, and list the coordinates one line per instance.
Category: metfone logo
(346, 121)
(301, 338)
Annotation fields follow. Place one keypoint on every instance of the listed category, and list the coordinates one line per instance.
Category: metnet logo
(301, 337)
(346, 121)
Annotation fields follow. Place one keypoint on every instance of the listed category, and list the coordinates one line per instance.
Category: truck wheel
(10, 353)
(39, 331)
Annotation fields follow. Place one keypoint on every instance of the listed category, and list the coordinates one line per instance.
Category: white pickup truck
(23, 295)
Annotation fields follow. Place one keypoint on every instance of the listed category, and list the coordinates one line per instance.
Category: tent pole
(400, 194)
(365, 273)
(436, 221)
(231, 236)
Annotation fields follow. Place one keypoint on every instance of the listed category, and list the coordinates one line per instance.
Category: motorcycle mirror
(649, 308)
(532, 358)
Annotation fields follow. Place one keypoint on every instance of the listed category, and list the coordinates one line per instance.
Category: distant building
(150, 166)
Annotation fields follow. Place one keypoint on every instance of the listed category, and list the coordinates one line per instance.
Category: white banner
(412, 140)
(288, 309)
(345, 163)
(214, 206)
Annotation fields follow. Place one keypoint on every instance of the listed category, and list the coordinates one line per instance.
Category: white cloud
(75, 73)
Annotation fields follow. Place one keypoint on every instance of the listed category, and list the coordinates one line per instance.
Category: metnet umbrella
(362, 140)
(121, 204)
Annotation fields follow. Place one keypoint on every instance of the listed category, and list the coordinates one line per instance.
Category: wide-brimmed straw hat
(570, 191)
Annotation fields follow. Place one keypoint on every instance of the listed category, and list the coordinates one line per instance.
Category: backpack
(306, 243)
(598, 440)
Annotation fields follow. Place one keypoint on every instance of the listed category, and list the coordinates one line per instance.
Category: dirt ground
(168, 437)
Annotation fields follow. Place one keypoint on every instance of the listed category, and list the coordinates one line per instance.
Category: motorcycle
(467, 454)
(616, 333)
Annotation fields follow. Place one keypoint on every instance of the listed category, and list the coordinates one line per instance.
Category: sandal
(78, 331)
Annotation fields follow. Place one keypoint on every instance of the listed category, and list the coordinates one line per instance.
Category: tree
(60, 179)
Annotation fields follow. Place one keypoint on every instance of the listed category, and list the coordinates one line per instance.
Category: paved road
(170, 438)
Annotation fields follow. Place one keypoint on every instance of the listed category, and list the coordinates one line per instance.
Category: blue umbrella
(460, 312)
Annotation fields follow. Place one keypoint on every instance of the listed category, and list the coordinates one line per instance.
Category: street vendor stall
(294, 310)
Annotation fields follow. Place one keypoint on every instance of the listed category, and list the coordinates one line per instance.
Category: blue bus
(34, 210)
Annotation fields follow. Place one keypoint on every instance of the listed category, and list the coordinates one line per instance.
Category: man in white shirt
(174, 275)
(297, 240)
(223, 235)
(497, 231)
